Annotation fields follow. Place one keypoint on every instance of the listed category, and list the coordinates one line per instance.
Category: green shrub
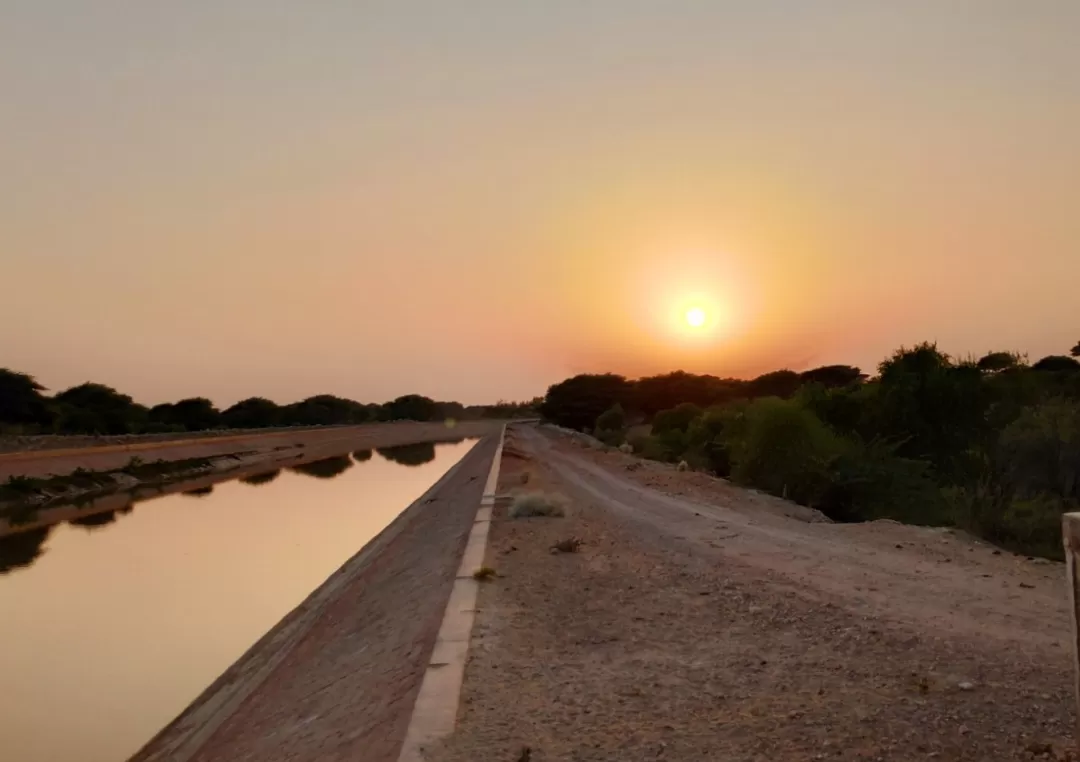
(786, 450)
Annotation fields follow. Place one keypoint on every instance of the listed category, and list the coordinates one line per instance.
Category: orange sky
(475, 200)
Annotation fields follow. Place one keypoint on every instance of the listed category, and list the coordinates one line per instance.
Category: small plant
(683, 466)
(484, 574)
(626, 448)
(535, 504)
(570, 545)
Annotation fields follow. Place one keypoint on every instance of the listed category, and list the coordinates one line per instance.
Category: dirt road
(701, 621)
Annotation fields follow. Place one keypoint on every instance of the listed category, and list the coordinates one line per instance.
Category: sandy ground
(337, 678)
(701, 621)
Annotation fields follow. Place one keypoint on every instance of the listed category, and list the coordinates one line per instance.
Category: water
(118, 624)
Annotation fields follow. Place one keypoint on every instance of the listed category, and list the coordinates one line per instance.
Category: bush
(536, 504)
(786, 451)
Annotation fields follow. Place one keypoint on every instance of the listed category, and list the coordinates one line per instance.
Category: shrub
(536, 504)
(786, 450)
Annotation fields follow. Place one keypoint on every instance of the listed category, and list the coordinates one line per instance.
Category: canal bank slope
(337, 678)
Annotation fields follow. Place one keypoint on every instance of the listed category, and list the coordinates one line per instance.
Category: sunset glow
(695, 317)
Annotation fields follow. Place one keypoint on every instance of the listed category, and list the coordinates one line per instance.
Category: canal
(111, 626)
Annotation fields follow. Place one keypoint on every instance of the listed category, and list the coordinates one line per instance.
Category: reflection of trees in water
(457, 441)
(20, 550)
(199, 492)
(410, 454)
(264, 478)
(95, 519)
(327, 468)
(362, 456)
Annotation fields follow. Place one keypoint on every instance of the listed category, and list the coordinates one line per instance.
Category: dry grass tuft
(536, 504)
(683, 466)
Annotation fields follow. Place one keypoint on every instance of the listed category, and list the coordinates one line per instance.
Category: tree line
(989, 444)
(94, 408)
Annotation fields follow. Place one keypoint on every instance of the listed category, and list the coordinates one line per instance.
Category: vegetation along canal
(112, 626)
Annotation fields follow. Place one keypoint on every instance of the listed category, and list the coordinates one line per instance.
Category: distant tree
(577, 402)
(779, 383)
(448, 410)
(327, 468)
(361, 456)
(409, 454)
(1075, 351)
(412, 407)
(21, 401)
(1057, 363)
(98, 409)
(832, 376)
(324, 410)
(652, 394)
(252, 413)
(995, 362)
(196, 414)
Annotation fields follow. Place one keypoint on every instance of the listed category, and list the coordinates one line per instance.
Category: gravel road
(702, 621)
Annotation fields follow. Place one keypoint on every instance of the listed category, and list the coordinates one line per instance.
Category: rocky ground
(701, 621)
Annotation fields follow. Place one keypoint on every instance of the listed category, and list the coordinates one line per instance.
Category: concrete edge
(434, 714)
(229, 690)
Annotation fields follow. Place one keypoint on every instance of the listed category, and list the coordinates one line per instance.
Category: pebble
(966, 686)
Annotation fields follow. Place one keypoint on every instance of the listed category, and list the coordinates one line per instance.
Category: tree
(577, 402)
(779, 383)
(832, 376)
(995, 362)
(1075, 351)
(21, 401)
(1057, 363)
(934, 408)
(98, 409)
(412, 407)
(252, 413)
(323, 410)
(195, 414)
(652, 394)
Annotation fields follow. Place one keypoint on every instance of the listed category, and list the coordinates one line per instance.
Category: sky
(474, 200)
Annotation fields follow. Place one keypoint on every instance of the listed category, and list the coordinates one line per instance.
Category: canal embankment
(338, 677)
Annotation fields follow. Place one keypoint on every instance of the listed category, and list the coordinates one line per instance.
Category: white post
(1070, 534)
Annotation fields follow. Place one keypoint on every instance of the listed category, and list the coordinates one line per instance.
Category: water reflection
(169, 597)
(95, 520)
(264, 478)
(409, 454)
(199, 491)
(327, 468)
(17, 551)
(362, 456)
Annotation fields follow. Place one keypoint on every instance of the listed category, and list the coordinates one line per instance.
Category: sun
(696, 317)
